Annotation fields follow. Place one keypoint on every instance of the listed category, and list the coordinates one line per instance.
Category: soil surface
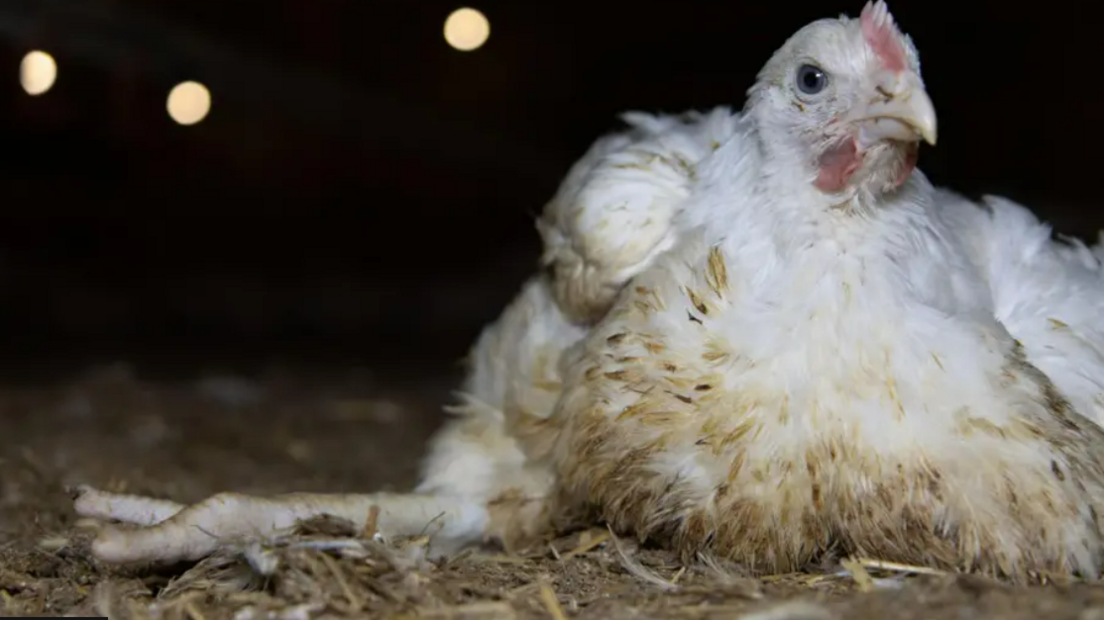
(116, 428)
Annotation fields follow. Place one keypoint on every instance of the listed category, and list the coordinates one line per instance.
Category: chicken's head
(843, 100)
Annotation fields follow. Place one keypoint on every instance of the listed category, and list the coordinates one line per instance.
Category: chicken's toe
(134, 509)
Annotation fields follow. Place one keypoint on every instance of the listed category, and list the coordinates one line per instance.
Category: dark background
(363, 193)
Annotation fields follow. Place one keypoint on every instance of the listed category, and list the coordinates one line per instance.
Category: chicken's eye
(811, 79)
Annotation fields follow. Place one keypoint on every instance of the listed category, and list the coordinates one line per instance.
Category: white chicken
(815, 349)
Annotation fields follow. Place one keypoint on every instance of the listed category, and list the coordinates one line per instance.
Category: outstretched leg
(173, 532)
(478, 482)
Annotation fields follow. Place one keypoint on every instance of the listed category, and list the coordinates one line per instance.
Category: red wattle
(836, 165)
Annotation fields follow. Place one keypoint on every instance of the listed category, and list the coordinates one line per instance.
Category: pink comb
(882, 36)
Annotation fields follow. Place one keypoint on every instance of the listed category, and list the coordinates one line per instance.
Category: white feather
(612, 213)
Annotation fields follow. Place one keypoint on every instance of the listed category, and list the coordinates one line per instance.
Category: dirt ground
(349, 431)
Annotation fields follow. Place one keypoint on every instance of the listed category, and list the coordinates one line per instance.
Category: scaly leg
(478, 482)
(172, 532)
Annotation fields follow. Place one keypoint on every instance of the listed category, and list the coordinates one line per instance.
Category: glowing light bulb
(37, 72)
(467, 29)
(189, 103)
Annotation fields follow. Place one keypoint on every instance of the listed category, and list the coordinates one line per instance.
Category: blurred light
(467, 29)
(189, 103)
(37, 72)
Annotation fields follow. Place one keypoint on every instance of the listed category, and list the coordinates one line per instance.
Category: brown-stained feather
(717, 272)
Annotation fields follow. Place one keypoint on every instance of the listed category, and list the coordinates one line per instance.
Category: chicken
(818, 362)
(812, 351)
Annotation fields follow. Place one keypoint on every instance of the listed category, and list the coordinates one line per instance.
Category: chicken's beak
(902, 110)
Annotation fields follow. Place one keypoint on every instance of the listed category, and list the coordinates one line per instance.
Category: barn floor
(345, 431)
